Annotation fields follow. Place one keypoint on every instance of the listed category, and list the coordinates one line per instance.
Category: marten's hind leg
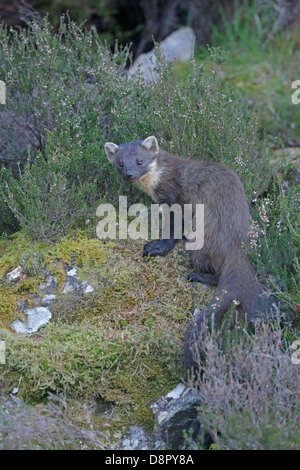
(204, 271)
(205, 278)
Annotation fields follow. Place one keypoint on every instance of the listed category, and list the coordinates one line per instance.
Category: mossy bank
(120, 344)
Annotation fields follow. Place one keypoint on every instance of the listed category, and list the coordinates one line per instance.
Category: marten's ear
(151, 145)
(110, 150)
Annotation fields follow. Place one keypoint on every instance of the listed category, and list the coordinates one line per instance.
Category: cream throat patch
(149, 181)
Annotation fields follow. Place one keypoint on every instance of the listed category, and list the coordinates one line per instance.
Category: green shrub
(74, 89)
(249, 396)
(69, 92)
(32, 262)
(66, 119)
(8, 222)
(276, 248)
(262, 61)
(49, 198)
(46, 427)
(71, 89)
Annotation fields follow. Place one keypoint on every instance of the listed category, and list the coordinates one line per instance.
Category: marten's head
(135, 159)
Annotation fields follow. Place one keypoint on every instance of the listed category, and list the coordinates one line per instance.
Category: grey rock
(14, 274)
(137, 439)
(178, 47)
(71, 284)
(177, 391)
(37, 317)
(176, 412)
(20, 130)
(48, 298)
(50, 285)
(86, 287)
(72, 272)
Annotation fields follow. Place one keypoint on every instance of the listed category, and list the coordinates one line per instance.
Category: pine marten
(221, 261)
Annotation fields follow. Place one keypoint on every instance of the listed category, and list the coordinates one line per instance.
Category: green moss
(8, 307)
(31, 262)
(8, 380)
(11, 250)
(129, 290)
(12, 294)
(121, 342)
(15, 293)
(83, 361)
(27, 285)
(262, 71)
(76, 248)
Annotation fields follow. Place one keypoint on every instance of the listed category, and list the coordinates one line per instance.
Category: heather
(68, 93)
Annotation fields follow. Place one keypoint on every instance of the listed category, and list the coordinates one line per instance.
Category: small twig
(38, 137)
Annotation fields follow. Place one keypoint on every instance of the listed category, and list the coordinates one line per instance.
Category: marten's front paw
(194, 276)
(153, 248)
(159, 247)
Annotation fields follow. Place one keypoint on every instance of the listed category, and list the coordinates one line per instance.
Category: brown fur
(221, 261)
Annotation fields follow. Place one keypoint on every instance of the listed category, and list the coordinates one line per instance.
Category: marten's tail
(237, 282)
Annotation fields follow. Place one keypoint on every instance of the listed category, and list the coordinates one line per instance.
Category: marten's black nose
(129, 175)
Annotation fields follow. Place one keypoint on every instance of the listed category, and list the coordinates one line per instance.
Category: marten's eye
(140, 162)
(121, 164)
